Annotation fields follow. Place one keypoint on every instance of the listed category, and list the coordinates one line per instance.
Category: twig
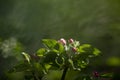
(64, 73)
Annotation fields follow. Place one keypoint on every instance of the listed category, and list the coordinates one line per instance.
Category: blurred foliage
(113, 61)
(29, 21)
(10, 53)
(10, 47)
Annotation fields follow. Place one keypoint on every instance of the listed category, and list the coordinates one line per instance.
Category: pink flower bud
(95, 74)
(63, 41)
(71, 40)
(74, 49)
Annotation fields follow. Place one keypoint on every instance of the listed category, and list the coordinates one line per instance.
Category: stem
(35, 76)
(64, 73)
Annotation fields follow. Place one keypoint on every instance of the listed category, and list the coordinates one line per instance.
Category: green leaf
(83, 47)
(59, 47)
(41, 52)
(81, 61)
(47, 67)
(96, 52)
(38, 68)
(50, 57)
(27, 56)
(88, 50)
(20, 67)
(83, 64)
(49, 43)
(76, 43)
(59, 60)
(107, 75)
(71, 63)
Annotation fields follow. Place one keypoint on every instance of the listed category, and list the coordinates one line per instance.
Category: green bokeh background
(91, 21)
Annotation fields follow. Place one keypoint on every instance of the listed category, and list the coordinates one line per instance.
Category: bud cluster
(71, 44)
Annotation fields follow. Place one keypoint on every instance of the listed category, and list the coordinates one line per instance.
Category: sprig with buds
(58, 54)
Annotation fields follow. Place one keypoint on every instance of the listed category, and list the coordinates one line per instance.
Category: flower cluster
(70, 44)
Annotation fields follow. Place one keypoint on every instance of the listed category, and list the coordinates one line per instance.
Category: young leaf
(27, 56)
(88, 50)
(49, 43)
(59, 47)
(71, 63)
(107, 75)
(76, 43)
(41, 52)
(83, 47)
(38, 68)
(96, 52)
(59, 60)
(47, 67)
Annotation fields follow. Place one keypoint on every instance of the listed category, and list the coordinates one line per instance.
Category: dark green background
(91, 21)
